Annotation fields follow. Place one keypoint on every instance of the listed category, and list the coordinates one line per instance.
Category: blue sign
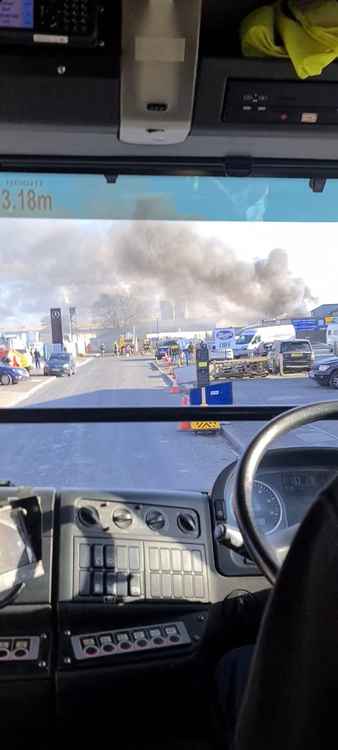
(307, 324)
(216, 394)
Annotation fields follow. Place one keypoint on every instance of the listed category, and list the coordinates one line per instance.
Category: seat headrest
(291, 700)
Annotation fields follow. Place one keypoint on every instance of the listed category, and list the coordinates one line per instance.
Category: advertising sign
(56, 323)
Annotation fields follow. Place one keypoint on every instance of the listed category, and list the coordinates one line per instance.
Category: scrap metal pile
(250, 367)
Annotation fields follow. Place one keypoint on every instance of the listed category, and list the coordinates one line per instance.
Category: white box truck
(332, 335)
(222, 343)
(249, 342)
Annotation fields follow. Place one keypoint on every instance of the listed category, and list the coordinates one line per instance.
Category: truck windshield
(140, 279)
(245, 338)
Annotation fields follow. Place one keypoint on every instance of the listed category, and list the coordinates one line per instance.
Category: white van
(332, 335)
(223, 338)
(221, 346)
(248, 342)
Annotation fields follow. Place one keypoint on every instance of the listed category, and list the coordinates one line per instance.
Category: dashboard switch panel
(103, 569)
(128, 569)
(176, 572)
(116, 643)
(141, 547)
(23, 648)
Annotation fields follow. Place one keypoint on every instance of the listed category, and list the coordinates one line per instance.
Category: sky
(47, 262)
(251, 242)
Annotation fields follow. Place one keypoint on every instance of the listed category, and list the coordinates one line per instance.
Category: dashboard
(286, 484)
(280, 498)
(129, 577)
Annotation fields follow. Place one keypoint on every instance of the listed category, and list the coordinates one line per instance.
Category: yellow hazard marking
(205, 425)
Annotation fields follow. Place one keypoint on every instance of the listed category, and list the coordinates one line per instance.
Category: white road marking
(16, 398)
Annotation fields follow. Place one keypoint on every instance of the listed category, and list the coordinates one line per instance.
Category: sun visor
(160, 40)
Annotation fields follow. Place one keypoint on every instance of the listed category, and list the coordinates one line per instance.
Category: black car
(60, 364)
(325, 372)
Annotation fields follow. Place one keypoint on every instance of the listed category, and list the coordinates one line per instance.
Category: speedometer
(267, 507)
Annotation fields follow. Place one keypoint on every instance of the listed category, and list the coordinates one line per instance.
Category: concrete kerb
(169, 380)
(165, 375)
(234, 443)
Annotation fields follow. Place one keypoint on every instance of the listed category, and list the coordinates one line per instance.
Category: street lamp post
(72, 313)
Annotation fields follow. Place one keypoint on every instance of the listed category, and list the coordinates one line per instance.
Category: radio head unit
(60, 22)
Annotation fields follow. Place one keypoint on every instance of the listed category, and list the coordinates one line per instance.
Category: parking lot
(13, 395)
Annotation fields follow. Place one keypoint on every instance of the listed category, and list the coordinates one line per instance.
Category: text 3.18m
(26, 200)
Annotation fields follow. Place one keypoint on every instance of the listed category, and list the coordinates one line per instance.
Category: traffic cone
(174, 388)
(185, 426)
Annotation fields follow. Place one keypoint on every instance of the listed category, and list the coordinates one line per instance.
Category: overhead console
(259, 102)
(120, 79)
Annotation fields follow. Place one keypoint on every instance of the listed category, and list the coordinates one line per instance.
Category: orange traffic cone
(174, 388)
(184, 426)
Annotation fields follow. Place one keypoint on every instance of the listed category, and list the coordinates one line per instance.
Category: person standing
(37, 359)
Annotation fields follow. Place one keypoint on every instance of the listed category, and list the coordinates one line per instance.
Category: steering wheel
(270, 556)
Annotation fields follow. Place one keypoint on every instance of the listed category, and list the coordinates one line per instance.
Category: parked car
(161, 352)
(291, 356)
(170, 348)
(12, 375)
(60, 364)
(325, 372)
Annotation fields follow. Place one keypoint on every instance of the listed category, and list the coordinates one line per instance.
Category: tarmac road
(147, 456)
(110, 456)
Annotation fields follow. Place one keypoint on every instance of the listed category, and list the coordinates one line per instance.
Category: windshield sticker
(46, 196)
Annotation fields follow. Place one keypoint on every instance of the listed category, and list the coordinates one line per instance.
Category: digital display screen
(16, 14)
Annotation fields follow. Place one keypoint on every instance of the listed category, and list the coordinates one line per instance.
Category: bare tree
(119, 310)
